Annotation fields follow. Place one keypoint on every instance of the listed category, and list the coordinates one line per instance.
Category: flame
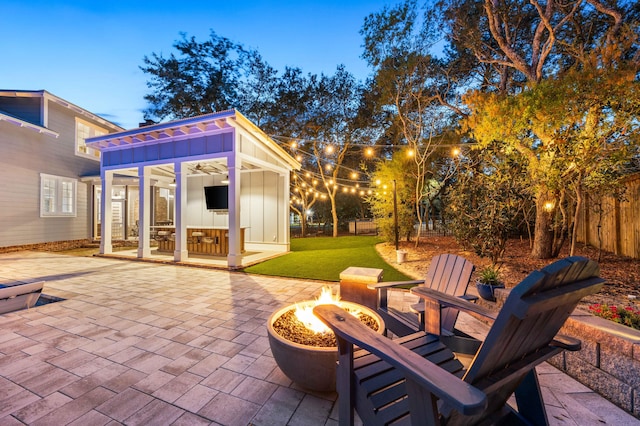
(305, 313)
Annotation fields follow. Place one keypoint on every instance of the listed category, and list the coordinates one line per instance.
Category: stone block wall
(609, 361)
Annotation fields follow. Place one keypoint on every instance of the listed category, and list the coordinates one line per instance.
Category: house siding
(24, 155)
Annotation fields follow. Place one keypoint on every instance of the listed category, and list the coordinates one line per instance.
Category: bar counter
(208, 240)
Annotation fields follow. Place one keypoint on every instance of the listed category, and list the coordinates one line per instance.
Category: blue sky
(89, 53)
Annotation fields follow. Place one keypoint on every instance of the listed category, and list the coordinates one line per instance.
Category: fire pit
(311, 364)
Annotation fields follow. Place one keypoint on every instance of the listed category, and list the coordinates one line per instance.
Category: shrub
(628, 315)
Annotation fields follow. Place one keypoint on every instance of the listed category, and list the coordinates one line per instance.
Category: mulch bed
(622, 273)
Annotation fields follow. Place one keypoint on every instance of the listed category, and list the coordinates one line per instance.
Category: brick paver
(140, 343)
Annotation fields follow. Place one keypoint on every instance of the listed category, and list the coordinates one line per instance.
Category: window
(86, 130)
(57, 196)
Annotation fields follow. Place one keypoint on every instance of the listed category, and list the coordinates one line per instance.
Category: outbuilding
(209, 186)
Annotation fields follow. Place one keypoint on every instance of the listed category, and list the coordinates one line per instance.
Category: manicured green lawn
(323, 258)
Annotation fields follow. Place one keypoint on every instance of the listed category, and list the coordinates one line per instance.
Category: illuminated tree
(576, 131)
(397, 171)
(489, 199)
(411, 85)
(517, 46)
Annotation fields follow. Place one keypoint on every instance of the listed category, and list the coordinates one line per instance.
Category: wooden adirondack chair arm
(391, 284)
(460, 395)
(566, 342)
(453, 301)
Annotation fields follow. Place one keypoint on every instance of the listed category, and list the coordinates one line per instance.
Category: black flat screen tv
(217, 197)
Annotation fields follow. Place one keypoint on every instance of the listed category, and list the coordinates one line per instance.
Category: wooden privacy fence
(611, 224)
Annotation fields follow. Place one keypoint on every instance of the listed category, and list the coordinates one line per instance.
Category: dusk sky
(89, 53)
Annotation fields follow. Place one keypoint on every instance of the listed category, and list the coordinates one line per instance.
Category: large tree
(517, 45)
(320, 113)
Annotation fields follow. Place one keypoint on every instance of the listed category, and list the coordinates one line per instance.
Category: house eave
(51, 97)
(25, 124)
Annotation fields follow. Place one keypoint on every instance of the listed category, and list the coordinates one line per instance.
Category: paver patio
(143, 343)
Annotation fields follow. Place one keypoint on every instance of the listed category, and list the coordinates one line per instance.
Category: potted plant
(488, 281)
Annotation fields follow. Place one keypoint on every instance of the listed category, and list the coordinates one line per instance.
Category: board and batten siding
(259, 206)
(24, 155)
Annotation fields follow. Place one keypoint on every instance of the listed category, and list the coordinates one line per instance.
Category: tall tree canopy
(527, 55)
(320, 114)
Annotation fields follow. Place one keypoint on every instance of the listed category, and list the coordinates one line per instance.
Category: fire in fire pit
(300, 325)
(308, 357)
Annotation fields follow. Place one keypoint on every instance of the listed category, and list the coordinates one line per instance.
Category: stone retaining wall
(609, 361)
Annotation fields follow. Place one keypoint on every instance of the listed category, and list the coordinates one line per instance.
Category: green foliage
(203, 77)
(324, 258)
(490, 275)
(398, 169)
(486, 203)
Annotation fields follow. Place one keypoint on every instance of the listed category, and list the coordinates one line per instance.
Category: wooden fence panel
(611, 224)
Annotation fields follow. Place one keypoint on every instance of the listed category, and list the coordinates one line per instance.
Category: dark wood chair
(418, 380)
(447, 273)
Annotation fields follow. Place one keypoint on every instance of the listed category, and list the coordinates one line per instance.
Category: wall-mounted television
(217, 197)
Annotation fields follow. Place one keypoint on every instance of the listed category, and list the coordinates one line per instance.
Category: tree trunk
(543, 233)
(334, 215)
(574, 233)
(303, 225)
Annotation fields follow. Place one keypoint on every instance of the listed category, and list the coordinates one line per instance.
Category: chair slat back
(449, 274)
(533, 314)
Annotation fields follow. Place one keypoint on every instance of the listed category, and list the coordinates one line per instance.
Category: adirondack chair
(418, 380)
(447, 273)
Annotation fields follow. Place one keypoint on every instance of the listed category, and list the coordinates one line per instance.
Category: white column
(286, 209)
(181, 253)
(106, 177)
(234, 258)
(144, 211)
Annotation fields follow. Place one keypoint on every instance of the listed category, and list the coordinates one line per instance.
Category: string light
(348, 185)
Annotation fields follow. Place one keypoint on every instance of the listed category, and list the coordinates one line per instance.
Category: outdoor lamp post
(395, 214)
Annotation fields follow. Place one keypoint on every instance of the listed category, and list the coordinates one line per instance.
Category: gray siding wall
(27, 109)
(24, 154)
